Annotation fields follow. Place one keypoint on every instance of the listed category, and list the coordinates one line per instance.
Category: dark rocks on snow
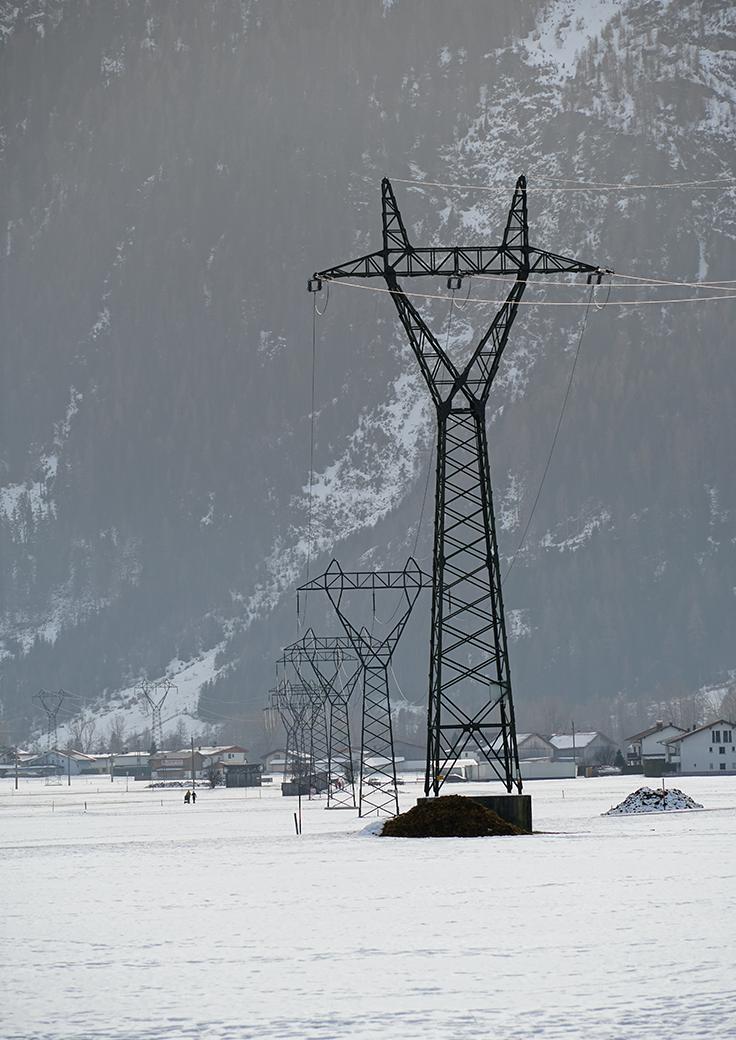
(451, 816)
(646, 800)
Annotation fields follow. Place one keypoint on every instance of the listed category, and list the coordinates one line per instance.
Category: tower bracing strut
(470, 701)
(377, 785)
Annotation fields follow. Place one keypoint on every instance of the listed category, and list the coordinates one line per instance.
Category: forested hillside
(172, 173)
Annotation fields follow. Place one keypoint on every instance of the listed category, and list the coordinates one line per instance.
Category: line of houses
(200, 764)
(662, 748)
(558, 756)
(700, 750)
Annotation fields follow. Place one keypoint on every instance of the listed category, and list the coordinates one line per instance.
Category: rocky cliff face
(172, 175)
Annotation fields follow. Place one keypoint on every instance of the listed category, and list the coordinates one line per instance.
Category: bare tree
(214, 774)
(176, 738)
(605, 756)
(682, 708)
(727, 707)
(116, 728)
(549, 715)
(81, 734)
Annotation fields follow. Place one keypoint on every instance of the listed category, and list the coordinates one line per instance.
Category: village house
(584, 748)
(650, 744)
(177, 765)
(274, 761)
(705, 749)
(66, 763)
(533, 746)
(14, 759)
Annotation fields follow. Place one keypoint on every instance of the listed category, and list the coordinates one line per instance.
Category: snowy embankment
(128, 915)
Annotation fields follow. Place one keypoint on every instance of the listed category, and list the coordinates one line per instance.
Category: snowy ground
(143, 918)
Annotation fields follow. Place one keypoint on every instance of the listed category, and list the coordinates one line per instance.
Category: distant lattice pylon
(155, 694)
(50, 703)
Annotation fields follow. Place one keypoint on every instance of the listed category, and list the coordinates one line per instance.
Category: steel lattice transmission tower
(155, 694)
(301, 710)
(377, 787)
(50, 703)
(470, 701)
(333, 663)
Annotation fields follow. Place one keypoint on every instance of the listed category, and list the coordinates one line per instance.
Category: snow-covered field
(140, 917)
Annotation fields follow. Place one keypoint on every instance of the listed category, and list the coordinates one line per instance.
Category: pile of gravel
(646, 800)
(451, 816)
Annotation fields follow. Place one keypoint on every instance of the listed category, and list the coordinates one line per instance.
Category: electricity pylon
(50, 703)
(377, 788)
(332, 661)
(155, 694)
(299, 707)
(470, 701)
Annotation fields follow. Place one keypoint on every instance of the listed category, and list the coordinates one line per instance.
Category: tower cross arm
(411, 262)
(335, 578)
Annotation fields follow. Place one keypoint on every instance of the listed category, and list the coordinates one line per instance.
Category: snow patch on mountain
(585, 525)
(21, 504)
(186, 678)
(349, 495)
(565, 28)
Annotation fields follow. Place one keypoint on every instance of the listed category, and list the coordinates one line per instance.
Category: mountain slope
(174, 173)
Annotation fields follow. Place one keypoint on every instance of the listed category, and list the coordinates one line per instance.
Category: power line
(554, 439)
(546, 303)
(715, 184)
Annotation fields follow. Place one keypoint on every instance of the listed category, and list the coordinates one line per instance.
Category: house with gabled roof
(651, 744)
(705, 749)
(586, 748)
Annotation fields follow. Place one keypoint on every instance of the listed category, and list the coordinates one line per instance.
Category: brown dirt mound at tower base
(452, 816)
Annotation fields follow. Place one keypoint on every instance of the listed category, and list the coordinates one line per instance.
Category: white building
(585, 748)
(178, 765)
(707, 749)
(651, 744)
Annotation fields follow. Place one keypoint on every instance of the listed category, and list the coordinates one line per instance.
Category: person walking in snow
(187, 796)
(194, 797)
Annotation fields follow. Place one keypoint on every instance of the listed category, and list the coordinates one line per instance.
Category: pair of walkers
(190, 796)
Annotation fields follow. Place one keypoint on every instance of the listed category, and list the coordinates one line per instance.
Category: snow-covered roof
(577, 740)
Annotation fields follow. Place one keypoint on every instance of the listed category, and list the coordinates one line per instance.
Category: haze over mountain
(172, 174)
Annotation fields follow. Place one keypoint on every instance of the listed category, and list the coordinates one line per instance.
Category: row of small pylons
(317, 676)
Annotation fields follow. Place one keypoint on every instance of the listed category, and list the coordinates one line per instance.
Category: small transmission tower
(155, 694)
(333, 662)
(50, 703)
(470, 700)
(301, 710)
(377, 789)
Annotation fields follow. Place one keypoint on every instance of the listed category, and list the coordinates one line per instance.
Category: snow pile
(646, 800)
(451, 816)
